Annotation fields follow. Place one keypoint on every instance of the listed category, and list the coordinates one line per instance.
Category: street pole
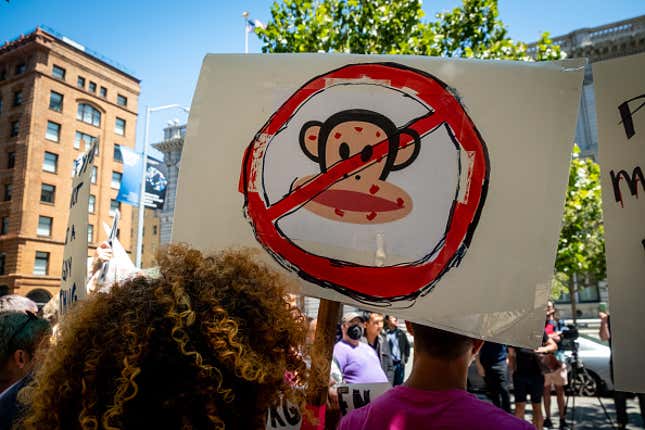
(142, 189)
(245, 16)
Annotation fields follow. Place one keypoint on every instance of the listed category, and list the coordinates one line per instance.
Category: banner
(620, 99)
(156, 182)
(350, 396)
(74, 271)
(431, 188)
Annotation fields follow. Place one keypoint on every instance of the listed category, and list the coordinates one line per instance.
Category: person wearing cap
(357, 361)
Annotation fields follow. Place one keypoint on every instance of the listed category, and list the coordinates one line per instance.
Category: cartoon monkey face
(363, 196)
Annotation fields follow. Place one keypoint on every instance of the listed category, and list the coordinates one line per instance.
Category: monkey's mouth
(357, 201)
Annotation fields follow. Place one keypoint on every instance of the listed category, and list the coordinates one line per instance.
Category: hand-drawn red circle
(369, 283)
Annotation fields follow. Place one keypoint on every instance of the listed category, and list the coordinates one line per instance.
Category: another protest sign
(620, 99)
(74, 271)
(350, 397)
(430, 187)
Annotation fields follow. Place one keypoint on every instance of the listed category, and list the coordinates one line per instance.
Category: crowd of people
(214, 341)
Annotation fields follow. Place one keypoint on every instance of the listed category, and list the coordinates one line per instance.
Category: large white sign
(432, 188)
(74, 272)
(620, 105)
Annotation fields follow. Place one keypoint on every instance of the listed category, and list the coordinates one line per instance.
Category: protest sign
(620, 98)
(74, 271)
(350, 396)
(432, 188)
(156, 182)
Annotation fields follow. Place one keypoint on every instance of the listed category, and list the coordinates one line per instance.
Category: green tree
(581, 249)
(472, 30)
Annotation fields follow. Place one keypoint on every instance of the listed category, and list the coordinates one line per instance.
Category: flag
(156, 182)
(252, 24)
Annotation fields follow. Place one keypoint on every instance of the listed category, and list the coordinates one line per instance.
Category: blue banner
(156, 181)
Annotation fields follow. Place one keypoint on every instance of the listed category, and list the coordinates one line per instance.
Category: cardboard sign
(389, 182)
(74, 272)
(620, 98)
(350, 397)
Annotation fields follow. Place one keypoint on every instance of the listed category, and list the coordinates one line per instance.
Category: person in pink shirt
(434, 396)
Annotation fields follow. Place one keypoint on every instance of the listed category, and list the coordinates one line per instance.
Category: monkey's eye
(366, 153)
(343, 151)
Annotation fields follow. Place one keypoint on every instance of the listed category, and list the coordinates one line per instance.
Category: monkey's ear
(406, 155)
(309, 139)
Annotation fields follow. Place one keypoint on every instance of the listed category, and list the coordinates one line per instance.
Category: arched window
(4, 290)
(89, 114)
(40, 296)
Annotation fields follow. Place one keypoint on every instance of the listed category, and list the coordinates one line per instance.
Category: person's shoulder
(490, 417)
(356, 419)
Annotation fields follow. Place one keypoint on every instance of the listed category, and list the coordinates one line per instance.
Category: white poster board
(620, 106)
(286, 416)
(430, 188)
(74, 271)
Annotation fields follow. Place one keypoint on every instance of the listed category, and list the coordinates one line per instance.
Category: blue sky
(164, 42)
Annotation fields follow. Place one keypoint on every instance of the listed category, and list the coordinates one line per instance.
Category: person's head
(390, 322)
(550, 310)
(442, 345)
(374, 325)
(353, 327)
(17, 303)
(20, 335)
(207, 344)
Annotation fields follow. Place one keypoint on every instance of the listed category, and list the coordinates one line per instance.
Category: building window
(80, 82)
(121, 100)
(114, 206)
(55, 101)
(3, 74)
(53, 131)
(8, 189)
(92, 87)
(88, 114)
(11, 160)
(90, 233)
(47, 193)
(0, 104)
(117, 154)
(21, 68)
(103, 92)
(119, 127)
(17, 98)
(41, 263)
(154, 230)
(82, 137)
(44, 226)
(15, 127)
(91, 207)
(95, 174)
(2, 266)
(4, 229)
(50, 162)
(58, 72)
(116, 180)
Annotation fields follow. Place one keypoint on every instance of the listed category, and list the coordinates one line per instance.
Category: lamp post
(245, 15)
(142, 189)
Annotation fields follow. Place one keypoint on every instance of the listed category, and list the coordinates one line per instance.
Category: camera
(568, 338)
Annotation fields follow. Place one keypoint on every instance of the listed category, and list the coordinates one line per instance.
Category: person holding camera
(357, 361)
(557, 379)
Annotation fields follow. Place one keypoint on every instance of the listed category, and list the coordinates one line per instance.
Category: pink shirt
(408, 408)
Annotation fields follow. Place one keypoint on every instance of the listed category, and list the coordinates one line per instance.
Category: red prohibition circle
(368, 283)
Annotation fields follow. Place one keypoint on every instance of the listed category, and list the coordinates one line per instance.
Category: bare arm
(604, 327)
(550, 347)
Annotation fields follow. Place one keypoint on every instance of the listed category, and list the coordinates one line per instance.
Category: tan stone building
(55, 97)
(151, 236)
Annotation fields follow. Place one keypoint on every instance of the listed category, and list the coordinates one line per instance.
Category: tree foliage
(581, 248)
(472, 30)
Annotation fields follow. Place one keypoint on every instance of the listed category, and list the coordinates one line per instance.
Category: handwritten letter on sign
(74, 270)
(620, 105)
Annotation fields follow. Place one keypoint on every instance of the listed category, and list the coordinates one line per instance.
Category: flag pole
(245, 15)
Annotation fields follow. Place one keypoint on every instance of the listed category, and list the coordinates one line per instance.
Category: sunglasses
(30, 317)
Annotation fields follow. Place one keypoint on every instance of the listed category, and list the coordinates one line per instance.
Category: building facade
(171, 146)
(151, 235)
(600, 43)
(56, 97)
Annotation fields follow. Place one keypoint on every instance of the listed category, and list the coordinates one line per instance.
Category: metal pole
(245, 15)
(142, 189)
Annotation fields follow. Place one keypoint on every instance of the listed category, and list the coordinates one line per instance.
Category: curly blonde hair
(205, 345)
